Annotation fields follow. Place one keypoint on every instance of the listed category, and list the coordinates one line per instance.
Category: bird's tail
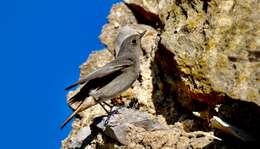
(72, 115)
(71, 86)
(76, 83)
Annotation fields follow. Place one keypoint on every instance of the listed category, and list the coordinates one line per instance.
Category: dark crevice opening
(166, 103)
(145, 17)
(242, 114)
(205, 5)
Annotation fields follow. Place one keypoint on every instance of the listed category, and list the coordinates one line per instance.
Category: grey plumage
(112, 79)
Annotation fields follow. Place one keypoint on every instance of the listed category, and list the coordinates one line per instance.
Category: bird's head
(131, 44)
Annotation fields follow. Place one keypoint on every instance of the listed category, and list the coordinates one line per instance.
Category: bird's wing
(113, 66)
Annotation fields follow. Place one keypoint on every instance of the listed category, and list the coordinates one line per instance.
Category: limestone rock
(197, 55)
(215, 48)
(117, 126)
(120, 15)
(135, 129)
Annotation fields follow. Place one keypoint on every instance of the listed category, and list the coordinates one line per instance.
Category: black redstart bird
(112, 79)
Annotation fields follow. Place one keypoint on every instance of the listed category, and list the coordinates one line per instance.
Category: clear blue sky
(42, 44)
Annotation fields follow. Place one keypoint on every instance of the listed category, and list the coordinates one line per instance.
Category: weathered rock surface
(117, 126)
(216, 48)
(197, 55)
(130, 128)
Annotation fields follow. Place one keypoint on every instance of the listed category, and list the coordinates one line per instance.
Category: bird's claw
(109, 114)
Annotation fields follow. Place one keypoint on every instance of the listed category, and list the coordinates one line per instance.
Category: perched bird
(112, 79)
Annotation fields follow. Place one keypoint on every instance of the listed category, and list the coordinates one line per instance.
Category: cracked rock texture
(198, 55)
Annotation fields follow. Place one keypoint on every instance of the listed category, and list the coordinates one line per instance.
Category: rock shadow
(176, 105)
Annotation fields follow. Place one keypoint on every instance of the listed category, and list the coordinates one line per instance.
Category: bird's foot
(110, 114)
(113, 112)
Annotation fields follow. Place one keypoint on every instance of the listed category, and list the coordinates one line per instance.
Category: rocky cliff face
(200, 71)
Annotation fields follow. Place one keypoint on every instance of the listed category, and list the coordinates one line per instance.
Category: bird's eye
(134, 41)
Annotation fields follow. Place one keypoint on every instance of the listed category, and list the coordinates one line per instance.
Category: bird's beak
(142, 34)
